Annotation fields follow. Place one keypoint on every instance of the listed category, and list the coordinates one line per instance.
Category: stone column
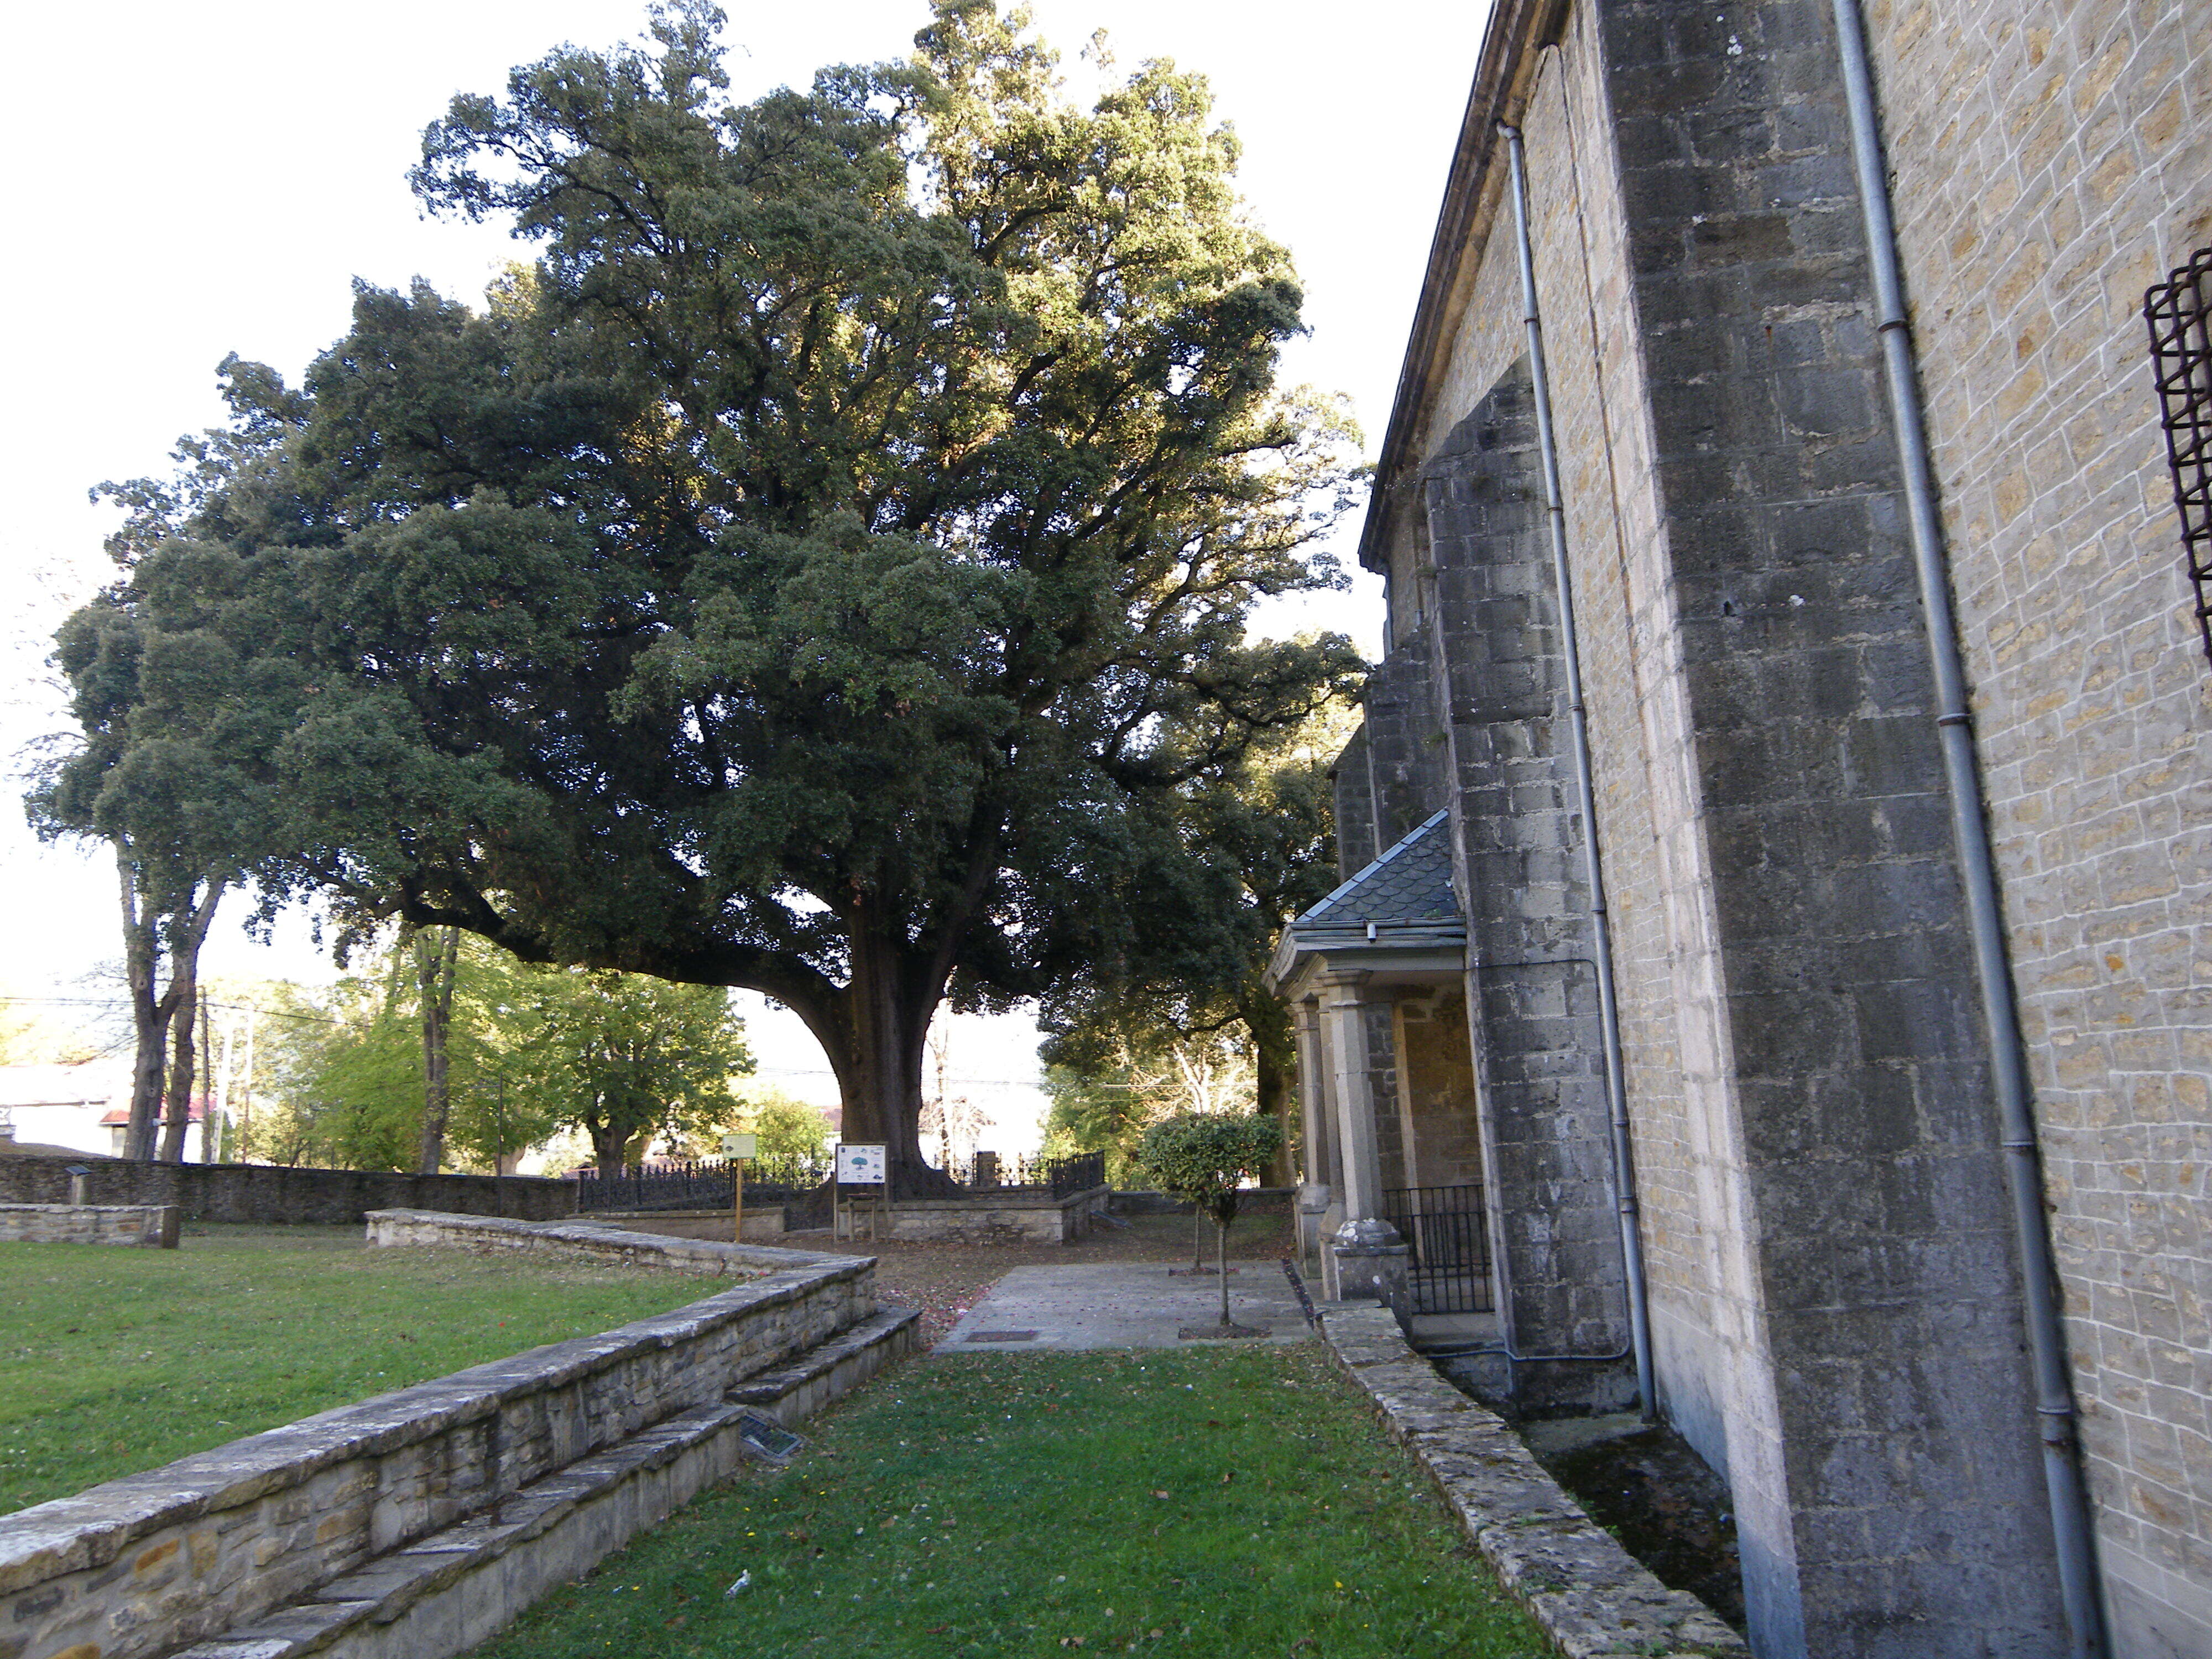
(1317, 1141)
(1366, 1257)
(1351, 1092)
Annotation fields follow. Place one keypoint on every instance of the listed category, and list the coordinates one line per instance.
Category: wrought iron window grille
(2179, 312)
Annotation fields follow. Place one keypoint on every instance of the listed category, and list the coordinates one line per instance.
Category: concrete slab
(1122, 1305)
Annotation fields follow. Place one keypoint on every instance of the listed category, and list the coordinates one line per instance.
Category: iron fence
(698, 1183)
(705, 1183)
(988, 1171)
(2179, 312)
(1446, 1230)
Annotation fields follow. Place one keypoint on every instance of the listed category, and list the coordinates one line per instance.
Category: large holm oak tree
(786, 579)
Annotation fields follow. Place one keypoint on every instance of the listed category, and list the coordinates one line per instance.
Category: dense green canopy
(786, 581)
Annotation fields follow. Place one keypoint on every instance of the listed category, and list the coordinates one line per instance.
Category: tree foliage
(1175, 1004)
(804, 575)
(1203, 1158)
(529, 1051)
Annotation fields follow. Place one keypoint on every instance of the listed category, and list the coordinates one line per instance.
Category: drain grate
(1002, 1336)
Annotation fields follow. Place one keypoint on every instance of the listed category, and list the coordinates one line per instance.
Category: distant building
(64, 1105)
(1792, 1014)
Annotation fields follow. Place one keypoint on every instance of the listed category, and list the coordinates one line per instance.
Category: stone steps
(446, 1593)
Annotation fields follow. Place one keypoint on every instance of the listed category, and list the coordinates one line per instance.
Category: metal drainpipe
(2055, 1410)
(1616, 1090)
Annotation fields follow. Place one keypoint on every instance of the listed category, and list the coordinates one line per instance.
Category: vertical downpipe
(2054, 1404)
(1616, 1090)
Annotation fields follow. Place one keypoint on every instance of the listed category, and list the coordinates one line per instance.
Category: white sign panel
(861, 1166)
(740, 1145)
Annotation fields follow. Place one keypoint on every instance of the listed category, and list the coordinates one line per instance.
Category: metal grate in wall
(2179, 312)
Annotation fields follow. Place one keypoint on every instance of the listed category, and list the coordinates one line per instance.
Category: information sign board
(861, 1166)
(741, 1146)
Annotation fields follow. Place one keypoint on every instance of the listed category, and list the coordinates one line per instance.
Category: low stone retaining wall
(151, 1225)
(1014, 1215)
(1594, 1599)
(585, 1241)
(266, 1193)
(524, 1471)
(762, 1226)
(1251, 1201)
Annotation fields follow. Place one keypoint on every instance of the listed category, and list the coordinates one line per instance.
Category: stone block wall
(143, 1565)
(1498, 700)
(1354, 809)
(270, 1193)
(2050, 162)
(1436, 1089)
(151, 1226)
(1884, 1276)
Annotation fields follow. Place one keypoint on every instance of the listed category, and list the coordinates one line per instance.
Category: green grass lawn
(1193, 1502)
(113, 1360)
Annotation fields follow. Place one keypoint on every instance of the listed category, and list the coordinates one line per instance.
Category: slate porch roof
(1403, 901)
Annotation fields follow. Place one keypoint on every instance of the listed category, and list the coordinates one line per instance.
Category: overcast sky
(193, 180)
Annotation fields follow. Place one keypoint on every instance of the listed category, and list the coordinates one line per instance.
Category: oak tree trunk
(877, 1051)
(183, 1055)
(149, 1013)
(436, 954)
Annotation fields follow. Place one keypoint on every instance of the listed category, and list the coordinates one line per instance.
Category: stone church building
(1773, 973)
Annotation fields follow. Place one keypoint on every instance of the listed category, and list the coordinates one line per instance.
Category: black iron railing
(1447, 1231)
(988, 1171)
(1078, 1174)
(704, 1183)
(698, 1183)
(2179, 312)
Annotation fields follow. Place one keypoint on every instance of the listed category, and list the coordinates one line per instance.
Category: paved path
(1122, 1305)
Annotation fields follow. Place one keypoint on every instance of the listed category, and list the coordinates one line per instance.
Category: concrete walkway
(1122, 1305)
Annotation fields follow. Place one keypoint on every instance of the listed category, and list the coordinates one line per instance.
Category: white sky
(194, 180)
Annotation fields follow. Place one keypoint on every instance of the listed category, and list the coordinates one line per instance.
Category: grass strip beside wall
(1194, 1501)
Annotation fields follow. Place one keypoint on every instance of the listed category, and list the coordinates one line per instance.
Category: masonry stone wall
(1390, 1149)
(266, 1193)
(2050, 162)
(1498, 700)
(1436, 1089)
(1354, 803)
(150, 1226)
(139, 1566)
(1406, 761)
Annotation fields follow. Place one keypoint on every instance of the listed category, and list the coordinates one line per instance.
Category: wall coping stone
(1592, 1599)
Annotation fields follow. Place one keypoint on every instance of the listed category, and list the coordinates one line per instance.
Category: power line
(124, 1002)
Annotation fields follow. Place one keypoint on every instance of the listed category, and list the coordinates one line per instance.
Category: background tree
(785, 582)
(153, 774)
(1203, 1158)
(625, 1059)
(1174, 998)
(1134, 1080)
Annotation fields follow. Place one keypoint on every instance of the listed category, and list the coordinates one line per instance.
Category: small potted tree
(1202, 1157)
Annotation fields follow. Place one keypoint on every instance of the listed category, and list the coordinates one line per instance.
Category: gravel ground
(944, 1281)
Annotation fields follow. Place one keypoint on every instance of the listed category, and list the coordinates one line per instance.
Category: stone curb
(1592, 1598)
